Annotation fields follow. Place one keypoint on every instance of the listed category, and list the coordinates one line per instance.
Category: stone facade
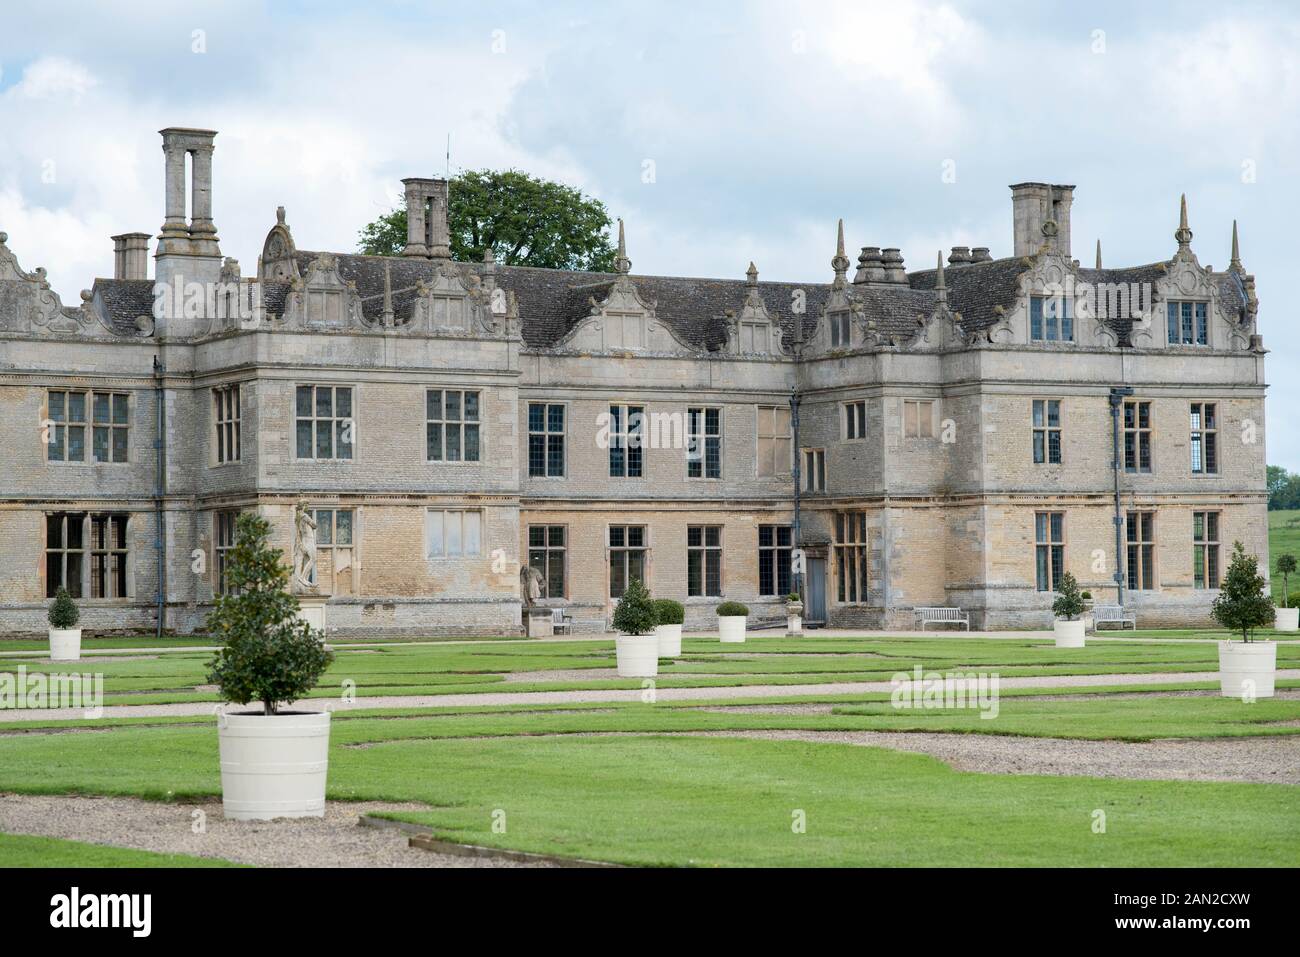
(347, 382)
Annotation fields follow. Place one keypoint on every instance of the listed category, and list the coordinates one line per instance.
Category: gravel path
(332, 841)
(1265, 760)
(612, 694)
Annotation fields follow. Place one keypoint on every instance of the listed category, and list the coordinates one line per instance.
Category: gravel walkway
(333, 841)
(612, 694)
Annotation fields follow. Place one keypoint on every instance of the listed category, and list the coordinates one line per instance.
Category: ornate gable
(323, 299)
(753, 331)
(28, 304)
(456, 302)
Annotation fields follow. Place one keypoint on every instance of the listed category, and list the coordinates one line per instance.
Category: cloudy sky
(721, 132)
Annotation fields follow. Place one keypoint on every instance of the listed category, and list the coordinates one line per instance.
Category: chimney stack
(871, 268)
(960, 256)
(894, 271)
(131, 256)
(427, 233)
(191, 249)
(980, 254)
(1033, 204)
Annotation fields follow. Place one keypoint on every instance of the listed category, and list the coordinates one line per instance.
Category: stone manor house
(939, 436)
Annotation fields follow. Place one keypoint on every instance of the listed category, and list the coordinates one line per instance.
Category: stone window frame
(852, 553)
(708, 554)
(1207, 549)
(812, 466)
(775, 437)
(628, 424)
(334, 547)
(338, 421)
(853, 419)
(1140, 541)
(932, 419)
(461, 514)
(547, 434)
(1052, 545)
(624, 551)
(87, 554)
(698, 437)
(463, 425)
(780, 556)
(1203, 438)
(228, 423)
(1059, 318)
(1040, 423)
(840, 329)
(1138, 437)
(89, 424)
(1192, 317)
(548, 550)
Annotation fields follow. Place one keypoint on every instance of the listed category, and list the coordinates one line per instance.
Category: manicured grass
(24, 850)
(659, 800)
(1283, 536)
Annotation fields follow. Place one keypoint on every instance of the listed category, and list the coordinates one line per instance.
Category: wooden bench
(561, 624)
(1107, 614)
(942, 616)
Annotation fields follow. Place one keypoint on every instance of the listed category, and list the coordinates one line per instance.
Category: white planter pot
(1068, 634)
(670, 640)
(273, 765)
(65, 644)
(638, 655)
(793, 625)
(1288, 619)
(1247, 669)
(731, 628)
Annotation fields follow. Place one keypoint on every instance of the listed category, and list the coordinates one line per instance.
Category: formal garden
(653, 748)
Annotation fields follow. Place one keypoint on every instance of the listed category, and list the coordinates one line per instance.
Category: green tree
(1285, 567)
(268, 653)
(524, 220)
(63, 613)
(1283, 488)
(1068, 603)
(1242, 604)
(635, 613)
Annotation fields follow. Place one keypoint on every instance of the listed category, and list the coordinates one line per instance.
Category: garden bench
(561, 623)
(1113, 614)
(942, 616)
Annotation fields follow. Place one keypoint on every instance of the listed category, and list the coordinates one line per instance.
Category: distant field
(1283, 536)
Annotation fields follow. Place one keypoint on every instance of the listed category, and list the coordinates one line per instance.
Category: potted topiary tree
(1246, 668)
(670, 615)
(1288, 616)
(273, 762)
(637, 647)
(731, 621)
(793, 615)
(1068, 606)
(65, 636)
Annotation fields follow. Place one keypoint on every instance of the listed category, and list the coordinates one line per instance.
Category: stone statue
(304, 548)
(530, 585)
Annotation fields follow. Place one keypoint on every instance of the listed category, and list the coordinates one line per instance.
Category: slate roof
(976, 290)
(125, 300)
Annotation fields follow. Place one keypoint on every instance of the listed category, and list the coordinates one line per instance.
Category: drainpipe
(798, 461)
(160, 489)
(1117, 396)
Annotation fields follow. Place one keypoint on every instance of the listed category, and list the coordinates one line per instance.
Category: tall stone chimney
(427, 233)
(131, 256)
(1033, 204)
(188, 249)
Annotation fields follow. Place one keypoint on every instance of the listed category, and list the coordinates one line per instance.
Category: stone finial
(1182, 234)
(1098, 266)
(751, 274)
(388, 295)
(621, 262)
(939, 286)
(279, 215)
(1235, 264)
(840, 262)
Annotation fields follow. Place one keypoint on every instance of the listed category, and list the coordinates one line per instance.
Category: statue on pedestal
(304, 549)
(530, 585)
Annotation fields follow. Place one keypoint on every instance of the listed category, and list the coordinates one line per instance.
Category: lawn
(25, 850)
(610, 781)
(1283, 536)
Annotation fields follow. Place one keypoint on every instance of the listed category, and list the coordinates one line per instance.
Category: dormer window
(1188, 323)
(1050, 319)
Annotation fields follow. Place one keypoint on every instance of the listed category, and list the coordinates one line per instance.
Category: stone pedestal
(539, 622)
(311, 609)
